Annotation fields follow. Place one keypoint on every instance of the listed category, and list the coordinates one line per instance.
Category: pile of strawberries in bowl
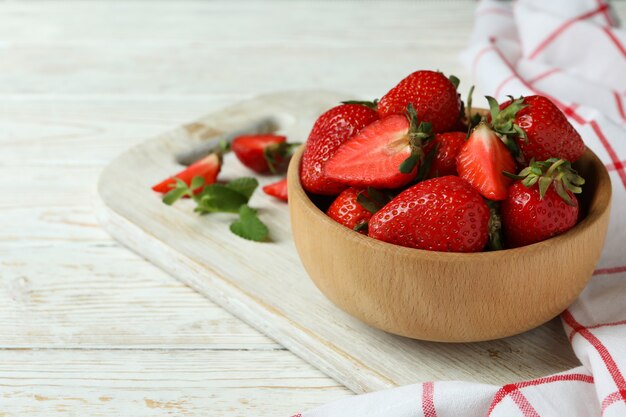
(419, 169)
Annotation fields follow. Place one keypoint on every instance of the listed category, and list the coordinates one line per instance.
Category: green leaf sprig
(231, 197)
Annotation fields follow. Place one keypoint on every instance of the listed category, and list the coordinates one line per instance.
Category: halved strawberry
(263, 153)
(482, 161)
(207, 168)
(277, 189)
(385, 154)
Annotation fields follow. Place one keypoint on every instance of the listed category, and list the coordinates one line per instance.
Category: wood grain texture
(158, 383)
(265, 284)
(451, 297)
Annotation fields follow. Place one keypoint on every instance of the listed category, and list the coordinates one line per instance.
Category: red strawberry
(207, 168)
(277, 189)
(432, 94)
(385, 154)
(261, 153)
(348, 212)
(440, 214)
(538, 127)
(542, 203)
(331, 130)
(482, 161)
(448, 145)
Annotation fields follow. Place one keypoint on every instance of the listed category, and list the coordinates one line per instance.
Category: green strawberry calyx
(551, 172)
(372, 199)
(370, 104)
(277, 153)
(503, 123)
(419, 134)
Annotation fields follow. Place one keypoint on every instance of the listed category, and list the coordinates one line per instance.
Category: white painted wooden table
(89, 328)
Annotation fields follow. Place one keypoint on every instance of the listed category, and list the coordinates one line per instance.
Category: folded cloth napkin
(572, 52)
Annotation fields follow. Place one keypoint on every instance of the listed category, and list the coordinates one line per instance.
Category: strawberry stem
(419, 134)
(556, 172)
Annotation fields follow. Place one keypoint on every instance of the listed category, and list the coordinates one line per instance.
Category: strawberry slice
(207, 168)
(385, 154)
(277, 189)
(482, 161)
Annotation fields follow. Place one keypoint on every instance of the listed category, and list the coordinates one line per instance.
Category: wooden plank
(232, 23)
(159, 383)
(265, 285)
(58, 293)
(104, 69)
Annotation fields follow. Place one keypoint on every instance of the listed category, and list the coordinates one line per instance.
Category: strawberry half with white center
(539, 128)
(440, 214)
(482, 161)
(432, 94)
(541, 204)
(329, 132)
(385, 154)
(207, 168)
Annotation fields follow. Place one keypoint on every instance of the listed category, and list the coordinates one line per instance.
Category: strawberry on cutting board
(440, 214)
(329, 132)
(385, 154)
(277, 189)
(207, 168)
(433, 95)
(482, 161)
(539, 128)
(262, 153)
(541, 203)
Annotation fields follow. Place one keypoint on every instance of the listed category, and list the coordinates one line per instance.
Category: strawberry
(353, 207)
(482, 161)
(447, 146)
(277, 189)
(348, 212)
(263, 153)
(432, 94)
(538, 127)
(207, 168)
(541, 204)
(440, 214)
(329, 132)
(385, 154)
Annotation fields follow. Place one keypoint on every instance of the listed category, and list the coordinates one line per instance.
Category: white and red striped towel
(572, 52)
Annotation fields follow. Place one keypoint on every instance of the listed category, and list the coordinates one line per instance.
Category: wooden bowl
(451, 297)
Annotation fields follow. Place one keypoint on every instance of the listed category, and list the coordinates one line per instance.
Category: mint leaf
(219, 198)
(179, 190)
(249, 226)
(174, 195)
(196, 182)
(244, 186)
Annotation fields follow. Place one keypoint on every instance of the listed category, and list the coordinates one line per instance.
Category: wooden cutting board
(265, 285)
